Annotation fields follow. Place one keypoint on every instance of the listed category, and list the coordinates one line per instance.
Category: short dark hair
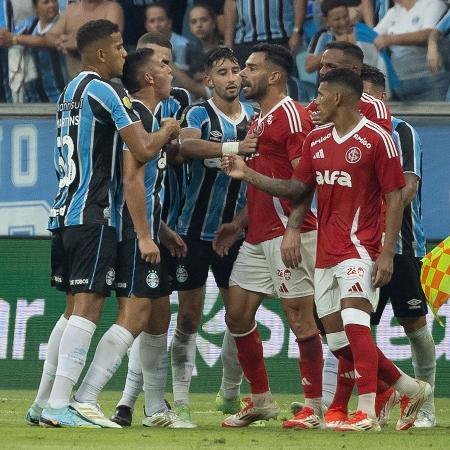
(204, 4)
(327, 5)
(348, 49)
(156, 38)
(374, 76)
(161, 5)
(93, 31)
(345, 77)
(218, 54)
(276, 54)
(133, 67)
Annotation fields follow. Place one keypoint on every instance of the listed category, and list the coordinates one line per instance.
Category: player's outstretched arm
(292, 189)
(134, 188)
(144, 146)
(384, 265)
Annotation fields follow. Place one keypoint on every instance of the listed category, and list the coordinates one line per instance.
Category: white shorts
(349, 278)
(259, 268)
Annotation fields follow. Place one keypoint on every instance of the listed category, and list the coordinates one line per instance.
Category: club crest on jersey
(353, 155)
(110, 277)
(152, 279)
(127, 102)
(181, 274)
(269, 119)
(260, 128)
(334, 176)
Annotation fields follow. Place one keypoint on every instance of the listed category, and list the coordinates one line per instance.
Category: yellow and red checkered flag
(435, 276)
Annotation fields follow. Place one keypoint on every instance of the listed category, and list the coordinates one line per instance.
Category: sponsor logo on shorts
(110, 276)
(107, 213)
(181, 274)
(414, 303)
(152, 279)
(354, 272)
(57, 279)
(121, 285)
(79, 281)
(284, 273)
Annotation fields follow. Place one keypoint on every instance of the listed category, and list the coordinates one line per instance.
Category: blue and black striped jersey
(411, 240)
(176, 177)
(5, 22)
(90, 111)
(154, 184)
(212, 198)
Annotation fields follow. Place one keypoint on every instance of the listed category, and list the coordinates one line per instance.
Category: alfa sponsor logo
(332, 177)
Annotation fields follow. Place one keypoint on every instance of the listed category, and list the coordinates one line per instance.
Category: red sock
(345, 378)
(250, 354)
(365, 357)
(388, 372)
(311, 365)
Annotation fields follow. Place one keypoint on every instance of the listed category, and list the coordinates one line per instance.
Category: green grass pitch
(15, 434)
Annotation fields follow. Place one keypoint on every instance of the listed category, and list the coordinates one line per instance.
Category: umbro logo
(215, 135)
(319, 154)
(356, 288)
(283, 289)
(353, 375)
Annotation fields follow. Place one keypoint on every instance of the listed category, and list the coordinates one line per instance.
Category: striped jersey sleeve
(195, 117)
(410, 146)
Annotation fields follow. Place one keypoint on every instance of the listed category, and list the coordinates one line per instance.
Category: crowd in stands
(409, 40)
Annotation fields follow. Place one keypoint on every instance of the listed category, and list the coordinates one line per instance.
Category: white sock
(107, 359)
(184, 350)
(50, 364)
(232, 371)
(153, 351)
(366, 403)
(329, 377)
(406, 385)
(262, 399)
(72, 355)
(135, 381)
(423, 352)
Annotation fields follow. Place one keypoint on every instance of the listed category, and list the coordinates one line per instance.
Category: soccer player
(93, 114)
(404, 290)
(351, 162)
(259, 271)
(210, 129)
(344, 55)
(174, 188)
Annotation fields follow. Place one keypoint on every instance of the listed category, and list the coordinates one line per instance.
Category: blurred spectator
(405, 30)
(6, 24)
(215, 5)
(248, 22)
(157, 18)
(381, 7)
(203, 26)
(438, 54)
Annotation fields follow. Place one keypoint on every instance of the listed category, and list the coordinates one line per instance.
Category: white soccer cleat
(93, 414)
(384, 403)
(425, 419)
(250, 414)
(360, 422)
(410, 406)
(166, 419)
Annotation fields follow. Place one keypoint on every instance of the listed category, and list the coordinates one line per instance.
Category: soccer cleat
(384, 403)
(296, 407)
(334, 418)
(64, 417)
(94, 414)
(123, 416)
(228, 406)
(359, 421)
(33, 414)
(250, 414)
(425, 419)
(305, 419)
(166, 419)
(183, 411)
(410, 406)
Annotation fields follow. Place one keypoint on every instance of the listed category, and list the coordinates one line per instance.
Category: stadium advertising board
(29, 307)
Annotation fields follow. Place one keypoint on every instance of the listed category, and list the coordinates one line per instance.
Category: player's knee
(188, 322)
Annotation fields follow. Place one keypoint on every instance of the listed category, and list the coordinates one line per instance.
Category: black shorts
(83, 258)
(404, 290)
(138, 277)
(192, 271)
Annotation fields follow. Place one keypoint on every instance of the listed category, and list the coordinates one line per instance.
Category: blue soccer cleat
(63, 417)
(33, 415)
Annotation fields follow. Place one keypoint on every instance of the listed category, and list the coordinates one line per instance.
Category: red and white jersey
(281, 133)
(371, 108)
(350, 173)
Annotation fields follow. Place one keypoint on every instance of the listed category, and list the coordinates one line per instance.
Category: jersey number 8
(67, 168)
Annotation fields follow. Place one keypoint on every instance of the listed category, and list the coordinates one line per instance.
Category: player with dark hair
(210, 129)
(351, 162)
(259, 270)
(93, 114)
